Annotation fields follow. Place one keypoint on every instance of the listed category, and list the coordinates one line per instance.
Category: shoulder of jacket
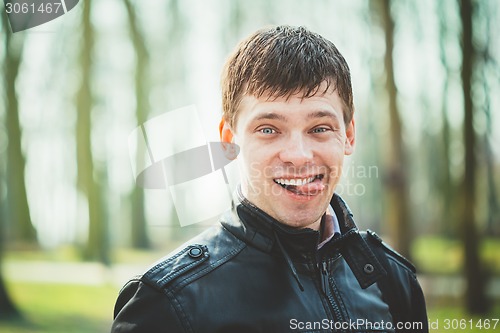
(389, 251)
(194, 259)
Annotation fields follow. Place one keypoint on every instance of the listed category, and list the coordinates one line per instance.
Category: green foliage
(54, 308)
(60, 254)
(438, 255)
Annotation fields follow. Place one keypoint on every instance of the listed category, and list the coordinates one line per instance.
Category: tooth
(281, 181)
(296, 181)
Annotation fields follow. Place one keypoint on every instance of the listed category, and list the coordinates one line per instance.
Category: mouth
(302, 186)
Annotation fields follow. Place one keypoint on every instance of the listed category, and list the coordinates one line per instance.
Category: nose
(296, 150)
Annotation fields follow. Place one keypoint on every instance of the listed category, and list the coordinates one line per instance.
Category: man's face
(292, 151)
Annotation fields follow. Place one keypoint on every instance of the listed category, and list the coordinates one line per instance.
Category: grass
(437, 255)
(453, 319)
(55, 308)
(72, 254)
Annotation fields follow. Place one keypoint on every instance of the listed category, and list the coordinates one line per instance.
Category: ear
(226, 134)
(350, 138)
(230, 149)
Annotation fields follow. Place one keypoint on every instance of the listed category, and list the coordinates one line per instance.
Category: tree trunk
(18, 212)
(475, 297)
(447, 188)
(8, 309)
(398, 216)
(97, 247)
(140, 237)
(487, 62)
(176, 34)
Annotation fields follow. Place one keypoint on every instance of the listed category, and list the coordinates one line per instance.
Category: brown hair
(281, 61)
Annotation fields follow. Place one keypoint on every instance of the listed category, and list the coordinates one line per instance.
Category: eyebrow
(271, 116)
(321, 114)
(314, 114)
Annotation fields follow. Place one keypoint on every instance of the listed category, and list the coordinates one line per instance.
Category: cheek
(335, 161)
(336, 173)
(330, 149)
(251, 167)
(340, 140)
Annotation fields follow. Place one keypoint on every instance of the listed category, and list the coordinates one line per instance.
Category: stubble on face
(292, 151)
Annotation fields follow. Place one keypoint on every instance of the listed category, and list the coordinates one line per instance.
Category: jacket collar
(249, 223)
(255, 227)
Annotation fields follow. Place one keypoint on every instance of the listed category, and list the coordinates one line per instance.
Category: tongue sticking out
(312, 188)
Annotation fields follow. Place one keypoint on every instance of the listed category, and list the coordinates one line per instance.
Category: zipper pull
(324, 277)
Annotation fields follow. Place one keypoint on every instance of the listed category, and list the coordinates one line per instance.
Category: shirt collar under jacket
(330, 227)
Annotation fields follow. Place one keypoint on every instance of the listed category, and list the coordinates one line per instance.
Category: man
(287, 256)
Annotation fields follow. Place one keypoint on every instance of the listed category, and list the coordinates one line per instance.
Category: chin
(298, 218)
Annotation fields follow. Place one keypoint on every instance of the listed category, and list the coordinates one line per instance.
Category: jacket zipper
(326, 288)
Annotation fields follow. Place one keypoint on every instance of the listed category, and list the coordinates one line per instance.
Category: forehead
(289, 108)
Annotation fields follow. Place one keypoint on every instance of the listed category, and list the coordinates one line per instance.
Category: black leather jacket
(253, 274)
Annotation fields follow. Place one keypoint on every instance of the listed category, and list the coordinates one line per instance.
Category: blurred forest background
(74, 226)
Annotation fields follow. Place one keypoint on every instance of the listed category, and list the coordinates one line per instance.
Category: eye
(267, 130)
(319, 129)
